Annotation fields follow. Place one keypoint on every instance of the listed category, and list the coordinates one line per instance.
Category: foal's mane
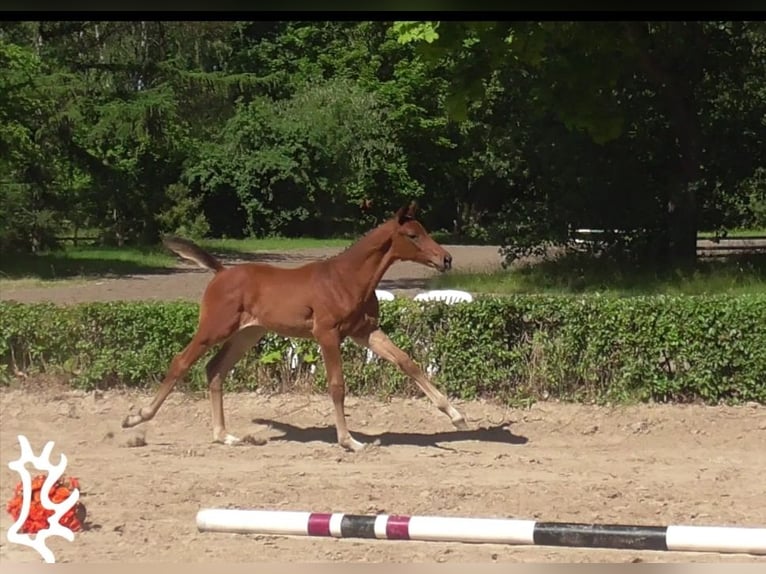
(368, 238)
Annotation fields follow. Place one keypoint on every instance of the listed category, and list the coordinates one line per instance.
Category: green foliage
(408, 31)
(29, 168)
(752, 208)
(306, 162)
(508, 133)
(518, 348)
(184, 216)
(653, 100)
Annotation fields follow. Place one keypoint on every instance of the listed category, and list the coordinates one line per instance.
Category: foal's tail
(193, 252)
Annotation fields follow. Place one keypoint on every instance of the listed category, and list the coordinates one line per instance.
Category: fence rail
(707, 246)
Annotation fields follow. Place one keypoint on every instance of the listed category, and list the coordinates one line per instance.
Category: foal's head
(411, 242)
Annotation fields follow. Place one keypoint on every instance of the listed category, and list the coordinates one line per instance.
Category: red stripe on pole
(398, 528)
(319, 524)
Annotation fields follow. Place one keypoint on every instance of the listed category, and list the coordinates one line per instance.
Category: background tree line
(505, 132)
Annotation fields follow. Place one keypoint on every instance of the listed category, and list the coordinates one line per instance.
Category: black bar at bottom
(600, 536)
(357, 526)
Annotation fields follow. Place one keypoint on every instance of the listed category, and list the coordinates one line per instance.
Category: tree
(306, 163)
(37, 184)
(586, 75)
(509, 132)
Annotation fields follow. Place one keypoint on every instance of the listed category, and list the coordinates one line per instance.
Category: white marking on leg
(231, 440)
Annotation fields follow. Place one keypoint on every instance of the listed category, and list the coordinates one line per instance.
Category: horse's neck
(365, 262)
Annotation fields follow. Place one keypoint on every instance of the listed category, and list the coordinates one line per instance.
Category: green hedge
(518, 348)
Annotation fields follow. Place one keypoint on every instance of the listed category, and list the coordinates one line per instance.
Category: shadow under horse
(327, 301)
(499, 433)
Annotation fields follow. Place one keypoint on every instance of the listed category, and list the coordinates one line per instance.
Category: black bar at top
(600, 536)
(357, 526)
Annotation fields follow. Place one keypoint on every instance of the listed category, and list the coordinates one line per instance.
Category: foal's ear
(407, 212)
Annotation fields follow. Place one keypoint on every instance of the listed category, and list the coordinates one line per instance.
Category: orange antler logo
(43, 505)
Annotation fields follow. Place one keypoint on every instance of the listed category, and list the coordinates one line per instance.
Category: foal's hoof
(353, 445)
(132, 420)
(460, 424)
(228, 440)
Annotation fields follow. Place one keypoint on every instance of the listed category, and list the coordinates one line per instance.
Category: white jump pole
(679, 538)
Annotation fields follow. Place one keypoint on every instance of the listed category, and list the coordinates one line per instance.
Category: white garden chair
(384, 295)
(449, 296)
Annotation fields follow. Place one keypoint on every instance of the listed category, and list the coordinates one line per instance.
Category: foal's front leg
(330, 346)
(380, 344)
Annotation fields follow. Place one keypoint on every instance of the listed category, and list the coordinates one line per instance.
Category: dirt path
(188, 282)
(648, 464)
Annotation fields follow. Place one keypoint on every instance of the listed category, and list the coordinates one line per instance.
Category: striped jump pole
(721, 539)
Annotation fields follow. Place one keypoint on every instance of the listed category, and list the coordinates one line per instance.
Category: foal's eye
(412, 236)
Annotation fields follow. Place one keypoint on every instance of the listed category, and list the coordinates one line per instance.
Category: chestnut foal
(325, 300)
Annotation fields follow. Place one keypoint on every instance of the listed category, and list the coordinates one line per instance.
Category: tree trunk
(680, 239)
(39, 38)
(682, 203)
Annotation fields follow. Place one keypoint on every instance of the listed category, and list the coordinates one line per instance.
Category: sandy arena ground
(647, 464)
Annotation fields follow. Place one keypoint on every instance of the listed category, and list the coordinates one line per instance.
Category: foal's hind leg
(379, 343)
(180, 365)
(217, 369)
(216, 324)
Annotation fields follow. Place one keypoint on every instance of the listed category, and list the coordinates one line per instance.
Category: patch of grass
(89, 261)
(84, 261)
(254, 244)
(36, 282)
(578, 274)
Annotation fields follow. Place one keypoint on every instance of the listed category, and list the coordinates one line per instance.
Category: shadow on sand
(292, 433)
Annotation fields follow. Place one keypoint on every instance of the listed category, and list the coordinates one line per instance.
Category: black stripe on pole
(600, 536)
(357, 526)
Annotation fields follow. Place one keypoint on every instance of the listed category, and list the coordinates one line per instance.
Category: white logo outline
(55, 472)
